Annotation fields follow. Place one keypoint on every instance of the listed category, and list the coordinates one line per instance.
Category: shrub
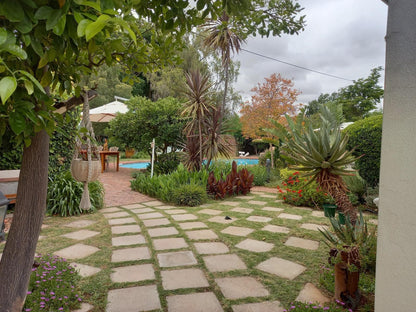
(165, 164)
(64, 195)
(52, 286)
(163, 186)
(302, 192)
(236, 182)
(261, 177)
(365, 137)
(357, 187)
(189, 195)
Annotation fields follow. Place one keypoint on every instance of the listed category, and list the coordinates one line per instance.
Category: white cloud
(344, 38)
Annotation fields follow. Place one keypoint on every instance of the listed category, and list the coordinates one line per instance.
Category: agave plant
(322, 154)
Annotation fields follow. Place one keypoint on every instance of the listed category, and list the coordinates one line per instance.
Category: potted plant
(349, 246)
(129, 152)
(80, 166)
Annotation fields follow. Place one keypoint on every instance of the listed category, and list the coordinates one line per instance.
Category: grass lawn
(95, 287)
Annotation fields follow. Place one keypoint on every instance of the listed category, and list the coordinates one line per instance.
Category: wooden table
(104, 154)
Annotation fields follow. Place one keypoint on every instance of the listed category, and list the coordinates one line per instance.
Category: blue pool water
(143, 165)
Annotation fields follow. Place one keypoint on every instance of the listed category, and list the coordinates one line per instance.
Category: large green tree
(147, 120)
(45, 46)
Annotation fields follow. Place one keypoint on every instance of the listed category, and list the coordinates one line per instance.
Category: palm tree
(322, 154)
(198, 105)
(222, 37)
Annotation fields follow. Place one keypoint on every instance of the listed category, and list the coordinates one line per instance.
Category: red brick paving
(117, 188)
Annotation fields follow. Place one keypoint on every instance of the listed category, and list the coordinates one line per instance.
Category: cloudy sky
(344, 38)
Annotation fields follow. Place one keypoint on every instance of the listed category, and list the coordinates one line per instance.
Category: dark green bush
(165, 164)
(189, 195)
(365, 137)
(64, 195)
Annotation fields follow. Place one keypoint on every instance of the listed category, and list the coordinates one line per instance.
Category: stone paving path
(175, 260)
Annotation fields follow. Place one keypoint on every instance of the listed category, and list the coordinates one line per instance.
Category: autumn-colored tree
(271, 101)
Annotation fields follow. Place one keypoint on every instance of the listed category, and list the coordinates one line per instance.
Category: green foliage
(189, 195)
(349, 235)
(52, 286)
(165, 164)
(64, 195)
(300, 191)
(10, 156)
(261, 177)
(356, 186)
(147, 120)
(163, 186)
(365, 137)
(62, 143)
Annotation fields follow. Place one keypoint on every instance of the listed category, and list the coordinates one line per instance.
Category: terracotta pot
(129, 152)
(79, 170)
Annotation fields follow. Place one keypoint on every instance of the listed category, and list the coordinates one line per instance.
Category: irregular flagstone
(274, 209)
(142, 210)
(156, 222)
(230, 203)
(276, 229)
(169, 243)
(151, 215)
(201, 234)
(130, 254)
(257, 193)
(279, 201)
(122, 229)
(197, 302)
(245, 197)
(186, 278)
(302, 243)
(310, 293)
(319, 214)
(76, 251)
(81, 234)
(237, 231)
(179, 258)
(175, 211)
(153, 203)
(85, 307)
(133, 299)
(211, 212)
(163, 231)
(222, 219)
(85, 270)
(254, 245)
(257, 202)
(259, 219)
(184, 217)
(303, 208)
(314, 227)
(211, 248)
(133, 206)
(133, 273)
(116, 215)
(80, 223)
(266, 306)
(289, 216)
(281, 267)
(128, 240)
(242, 210)
(241, 287)
(192, 225)
(110, 209)
(224, 263)
(121, 221)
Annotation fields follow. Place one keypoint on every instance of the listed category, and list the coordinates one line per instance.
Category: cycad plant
(322, 153)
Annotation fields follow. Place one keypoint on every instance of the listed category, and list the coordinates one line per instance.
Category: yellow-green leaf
(95, 27)
(7, 86)
(28, 86)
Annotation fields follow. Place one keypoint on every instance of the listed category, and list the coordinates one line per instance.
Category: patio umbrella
(108, 111)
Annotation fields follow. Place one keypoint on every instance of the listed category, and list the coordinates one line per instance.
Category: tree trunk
(224, 100)
(343, 202)
(200, 143)
(18, 255)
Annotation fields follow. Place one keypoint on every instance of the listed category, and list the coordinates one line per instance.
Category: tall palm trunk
(200, 142)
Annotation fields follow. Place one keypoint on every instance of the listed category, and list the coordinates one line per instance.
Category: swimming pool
(239, 161)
